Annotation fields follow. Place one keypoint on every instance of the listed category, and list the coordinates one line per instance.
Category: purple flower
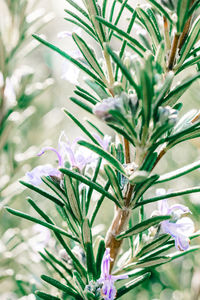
(179, 227)
(34, 176)
(101, 110)
(107, 280)
(103, 142)
(64, 34)
(77, 157)
(69, 71)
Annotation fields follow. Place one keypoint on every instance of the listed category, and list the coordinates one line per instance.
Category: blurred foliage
(20, 84)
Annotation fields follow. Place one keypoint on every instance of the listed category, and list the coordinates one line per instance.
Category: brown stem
(166, 34)
(184, 34)
(121, 217)
(161, 154)
(127, 151)
(119, 224)
(186, 28)
(173, 51)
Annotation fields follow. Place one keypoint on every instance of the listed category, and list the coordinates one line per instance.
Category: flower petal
(185, 226)
(104, 142)
(179, 209)
(163, 207)
(34, 176)
(60, 160)
(70, 73)
(119, 277)
(182, 242)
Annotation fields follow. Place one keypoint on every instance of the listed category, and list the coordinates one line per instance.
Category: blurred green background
(20, 265)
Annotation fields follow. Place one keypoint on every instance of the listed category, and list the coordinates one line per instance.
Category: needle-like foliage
(131, 90)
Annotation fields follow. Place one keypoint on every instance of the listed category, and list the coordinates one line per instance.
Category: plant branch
(166, 34)
(186, 28)
(173, 51)
(118, 225)
(127, 151)
(121, 217)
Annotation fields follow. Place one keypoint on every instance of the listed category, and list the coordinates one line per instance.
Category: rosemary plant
(134, 91)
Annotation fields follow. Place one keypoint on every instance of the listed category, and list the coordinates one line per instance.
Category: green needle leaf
(142, 226)
(61, 286)
(45, 224)
(43, 193)
(78, 8)
(161, 9)
(46, 296)
(131, 285)
(104, 154)
(192, 38)
(179, 172)
(59, 262)
(81, 126)
(178, 91)
(154, 245)
(123, 33)
(182, 14)
(148, 23)
(170, 195)
(180, 254)
(90, 183)
(123, 68)
(148, 263)
(81, 104)
(114, 182)
(89, 56)
(68, 57)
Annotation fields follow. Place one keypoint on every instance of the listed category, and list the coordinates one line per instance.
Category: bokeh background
(39, 124)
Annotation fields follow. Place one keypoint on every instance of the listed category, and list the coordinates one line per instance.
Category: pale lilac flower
(41, 239)
(34, 176)
(179, 227)
(70, 72)
(77, 157)
(81, 156)
(64, 34)
(104, 142)
(107, 280)
(101, 110)
(119, 103)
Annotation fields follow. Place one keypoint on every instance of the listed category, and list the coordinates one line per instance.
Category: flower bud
(167, 115)
(101, 110)
(117, 88)
(133, 103)
(94, 288)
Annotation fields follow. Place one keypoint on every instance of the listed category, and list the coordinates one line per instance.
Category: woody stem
(121, 217)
